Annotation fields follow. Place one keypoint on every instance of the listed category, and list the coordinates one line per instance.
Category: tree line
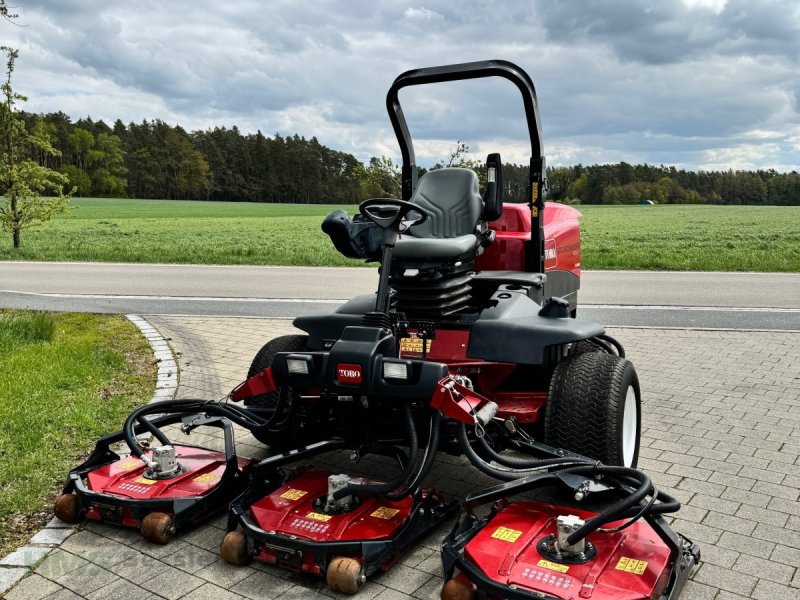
(153, 159)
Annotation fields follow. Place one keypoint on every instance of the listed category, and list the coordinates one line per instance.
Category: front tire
(594, 408)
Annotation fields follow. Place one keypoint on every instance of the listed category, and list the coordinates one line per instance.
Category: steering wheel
(388, 212)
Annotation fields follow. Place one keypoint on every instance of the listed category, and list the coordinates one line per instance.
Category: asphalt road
(632, 298)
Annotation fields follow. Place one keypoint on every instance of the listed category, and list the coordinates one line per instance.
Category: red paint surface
(513, 229)
(125, 477)
(286, 512)
(518, 563)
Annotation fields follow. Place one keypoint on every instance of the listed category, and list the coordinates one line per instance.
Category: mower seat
(454, 204)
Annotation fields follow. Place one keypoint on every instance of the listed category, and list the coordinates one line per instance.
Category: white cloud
(696, 83)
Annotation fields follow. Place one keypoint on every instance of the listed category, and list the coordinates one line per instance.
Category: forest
(153, 159)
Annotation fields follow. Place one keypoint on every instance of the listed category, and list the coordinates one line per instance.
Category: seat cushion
(452, 201)
(422, 248)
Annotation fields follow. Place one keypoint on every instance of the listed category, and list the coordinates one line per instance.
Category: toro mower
(470, 345)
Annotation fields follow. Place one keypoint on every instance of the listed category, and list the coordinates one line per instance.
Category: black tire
(583, 346)
(586, 408)
(263, 359)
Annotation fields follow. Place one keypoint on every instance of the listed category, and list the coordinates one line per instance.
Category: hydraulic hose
(427, 459)
(521, 463)
(618, 509)
(379, 489)
(235, 414)
(504, 474)
(607, 338)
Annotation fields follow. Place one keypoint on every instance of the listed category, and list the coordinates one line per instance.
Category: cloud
(692, 83)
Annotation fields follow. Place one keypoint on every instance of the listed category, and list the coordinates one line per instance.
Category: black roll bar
(534, 257)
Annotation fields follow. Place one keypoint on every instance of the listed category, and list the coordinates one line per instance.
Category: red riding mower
(473, 321)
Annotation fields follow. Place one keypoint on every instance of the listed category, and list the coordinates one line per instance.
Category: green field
(65, 380)
(728, 238)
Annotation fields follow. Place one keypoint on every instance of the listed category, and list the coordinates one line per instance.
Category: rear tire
(263, 360)
(594, 408)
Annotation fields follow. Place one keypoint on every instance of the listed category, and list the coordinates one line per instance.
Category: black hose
(616, 510)
(236, 415)
(522, 463)
(607, 338)
(427, 460)
(379, 489)
(155, 431)
(503, 474)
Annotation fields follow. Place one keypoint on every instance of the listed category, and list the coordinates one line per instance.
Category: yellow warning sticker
(414, 345)
(546, 564)
(631, 565)
(506, 534)
(129, 463)
(535, 192)
(318, 517)
(206, 478)
(293, 494)
(145, 481)
(384, 512)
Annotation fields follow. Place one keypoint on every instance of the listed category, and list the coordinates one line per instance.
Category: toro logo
(346, 373)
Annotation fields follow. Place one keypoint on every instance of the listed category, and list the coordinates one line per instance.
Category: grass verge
(65, 380)
(661, 237)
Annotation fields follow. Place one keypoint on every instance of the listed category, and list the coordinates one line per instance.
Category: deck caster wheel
(158, 527)
(233, 549)
(345, 575)
(67, 508)
(455, 589)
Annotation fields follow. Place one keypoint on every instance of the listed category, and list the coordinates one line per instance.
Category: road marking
(701, 308)
(180, 298)
(342, 300)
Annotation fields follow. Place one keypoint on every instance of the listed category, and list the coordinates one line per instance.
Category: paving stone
(729, 523)
(86, 579)
(51, 537)
(119, 589)
(258, 585)
(224, 575)
(33, 588)
(60, 563)
(764, 568)
(432, 590)
(209, 591)
(191, 559)
(27, 556)
(768, 590)
(403, 579)
(65, 594)
(301, 593)
(171, 583)
(725, 579)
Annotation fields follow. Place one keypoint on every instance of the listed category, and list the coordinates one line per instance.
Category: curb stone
(17, 564)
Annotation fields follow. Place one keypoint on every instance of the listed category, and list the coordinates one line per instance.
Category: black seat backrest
(452, 201)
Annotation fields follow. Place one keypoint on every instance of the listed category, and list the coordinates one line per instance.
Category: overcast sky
(710, 84)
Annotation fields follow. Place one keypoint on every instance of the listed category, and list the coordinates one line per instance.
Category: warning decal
(206, 478)
(318, 517)
(384, 512)
(631, 565)
(413, 345)
(293, 494)
(145, 481)
(129, 463)
(506, 534)
(552, 566)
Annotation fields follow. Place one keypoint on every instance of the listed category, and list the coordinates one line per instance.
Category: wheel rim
(629, 427)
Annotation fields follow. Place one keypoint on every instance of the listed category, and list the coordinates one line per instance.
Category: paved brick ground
(721, 432)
